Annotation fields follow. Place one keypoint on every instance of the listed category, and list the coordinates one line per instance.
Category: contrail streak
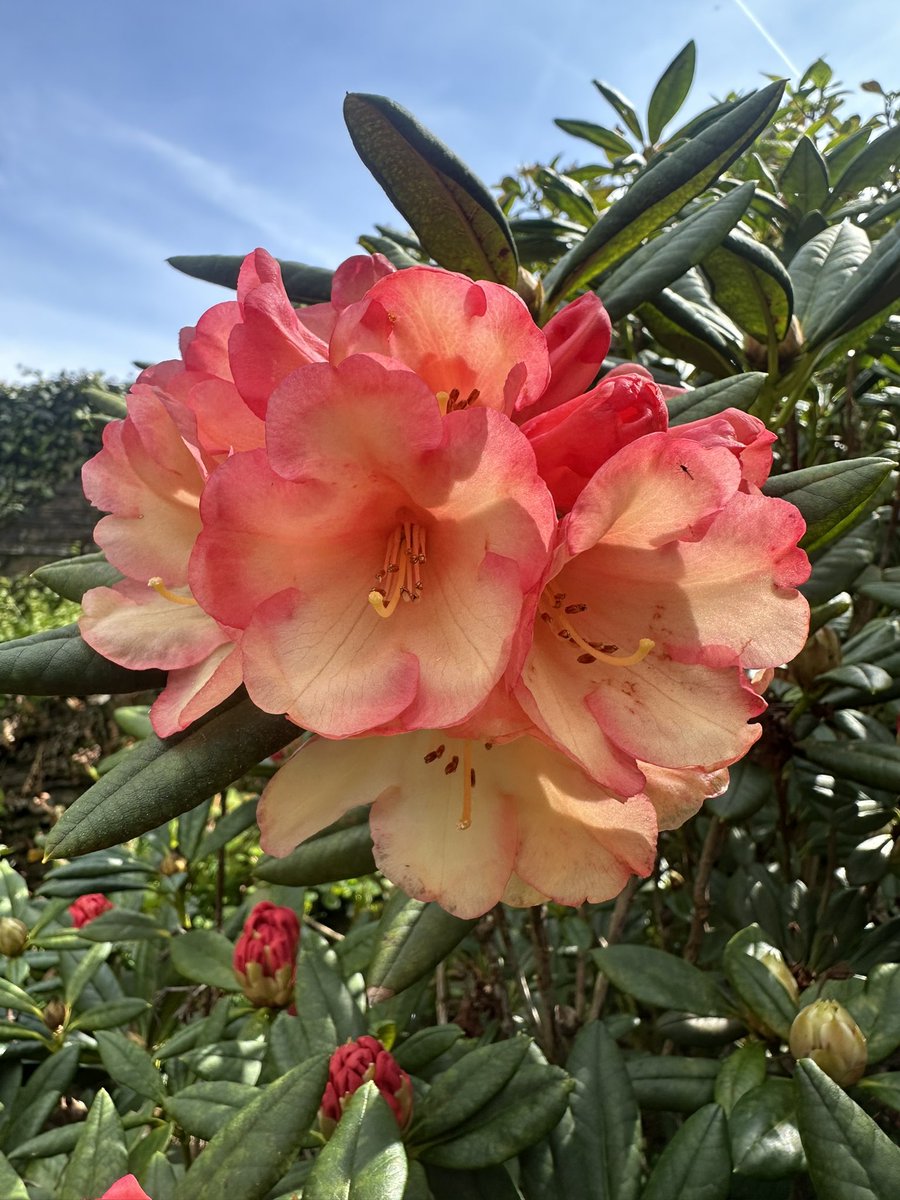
(760, 28)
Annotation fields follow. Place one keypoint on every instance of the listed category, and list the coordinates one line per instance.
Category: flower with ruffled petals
(265, 955)
(88, 908)
(379, 558)
(126, 1188)
(672, 576)
(359, 1062)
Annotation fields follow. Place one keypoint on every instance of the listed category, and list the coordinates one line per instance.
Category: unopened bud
(826, 1033)
(820, 654)
(531, 289)
(265, 955)
(357, 1063)
(778, 967)
(54, 1014)
(788, 349)
(126, 1188)
(13, 936)
(172, 863)
(88, 908)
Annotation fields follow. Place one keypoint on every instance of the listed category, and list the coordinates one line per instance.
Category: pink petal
(190, 692)
(131, 624)
(678, 795)
(746, 437)
(578, 339)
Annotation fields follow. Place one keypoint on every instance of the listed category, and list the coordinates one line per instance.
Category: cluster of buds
(126, 1188)
(826, 1033)
(13, 936)
(265, 955)
(356, 1063)
(88, 908)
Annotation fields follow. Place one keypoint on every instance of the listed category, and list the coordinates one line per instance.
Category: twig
(546, 991)
(440, 994)
(331, 934)
(710, 852)
(509, 953)
(616, 926)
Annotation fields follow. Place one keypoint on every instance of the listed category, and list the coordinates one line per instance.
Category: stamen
(401, 573)
(590, 652)
(158, 586)
(452, 765)
(465, 819)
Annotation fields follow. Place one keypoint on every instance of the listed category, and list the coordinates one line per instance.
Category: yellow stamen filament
(645, 645)
(465, 819)
(400, 578)
(158, 586)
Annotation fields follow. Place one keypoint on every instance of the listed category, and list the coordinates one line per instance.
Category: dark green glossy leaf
(226, 828)
(671, 91)
(303, 284)
(395, 254)
(622, 106)
(229, 1061)
(872, 295)
(455, 217)
(607, 1132)
(821, 272)
(749, 283)
(660, 192)
(657, 978)
(364, 1159)
(831, 496)
(666, 258)
(567, 194)
(684, 328)
(868, 168)
(110, 1014)
(253, 1150)
(327, 1014)
(765, 1141)
(130, 1065)
(160, 779)
(493, 1183)
(122, 925)
(848, 1155)
(205, 956)
(414, 1054)
(58, 663)
(11, 1186)
(741, 1071)
(72, 577)
(749, 787)
(804, 180)
(882, 1089)
(696, 1164)
(877, 766)
(738, 392)
(413, 938)
(765, 997)
(40, 1096)
(342, 851)
(672, 1084)
(100, 1157)
(201, 1109)
(613, 143)
(14, 997)
(465, 1088)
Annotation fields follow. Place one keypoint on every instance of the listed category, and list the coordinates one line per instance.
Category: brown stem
(710, 852)
(546, 991)
(220, 871)
(509, 953)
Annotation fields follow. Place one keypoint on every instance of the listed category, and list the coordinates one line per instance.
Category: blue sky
(133, 132)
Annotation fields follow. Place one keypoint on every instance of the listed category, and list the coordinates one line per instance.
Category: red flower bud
(87, 908)
(357, 1063)
(265, 955)
(126, 1188)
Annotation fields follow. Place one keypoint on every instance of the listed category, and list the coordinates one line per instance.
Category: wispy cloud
(760, 28)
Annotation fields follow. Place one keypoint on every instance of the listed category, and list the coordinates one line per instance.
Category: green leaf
(205, 956)
(686, 330)
(11, 1186)
(664, 259)
(882, 1089)
(226, 828)
(100, 1157)
(72, 577)
(201, 1109)
(804, 180)
(230, 1061)
(749, 283)
(738, 392)
(868, 168)
(327, 1014)
(849, 1157)
(465, 1088)
(160, 779)
(872, 294)
(742, 1071)
(865, 677)
(696, 1164)
(671, 91)
(134, 719)
(765, 997)
(622, 106)
(749, 787)
(877, 766)
(251, 1153)
(40, 1095)
(520, 1114)
(607, 1133)
(88, 965)
(130, 1065)
(669, 1084)
(662, 191)
(110, 1014)
(455, 217)
(303, 284)
(58, 663)
(364, 1158)
(613, 143)
(122, 925)
(16, 998)
(491, 1183)
(418, 1051)
(567, 194)
(657, 978)
(342, 851)
(820, 274)
(765, 1141)
(412, 939)
(831, 496)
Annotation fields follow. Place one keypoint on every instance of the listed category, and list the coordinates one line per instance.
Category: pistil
(158, 586)
(553, 611)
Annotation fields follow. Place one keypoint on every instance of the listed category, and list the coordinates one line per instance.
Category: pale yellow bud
(826, 1033)
(778, 967)
(13, 936)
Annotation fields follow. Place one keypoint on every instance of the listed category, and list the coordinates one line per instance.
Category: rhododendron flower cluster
(359, 1062)
(88, 908)
(265, 955)
(522, 615)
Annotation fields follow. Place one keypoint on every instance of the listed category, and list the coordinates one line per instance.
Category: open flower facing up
(359, 1062)
(88, 908)
(265, 955)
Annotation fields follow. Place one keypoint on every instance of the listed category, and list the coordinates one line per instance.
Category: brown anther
(564, 634)
(451, 765)
(488, 745)
(434, 754)
(472, 777)
(558, 599)
(586, 658)
(545, 616)
(576, 608)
